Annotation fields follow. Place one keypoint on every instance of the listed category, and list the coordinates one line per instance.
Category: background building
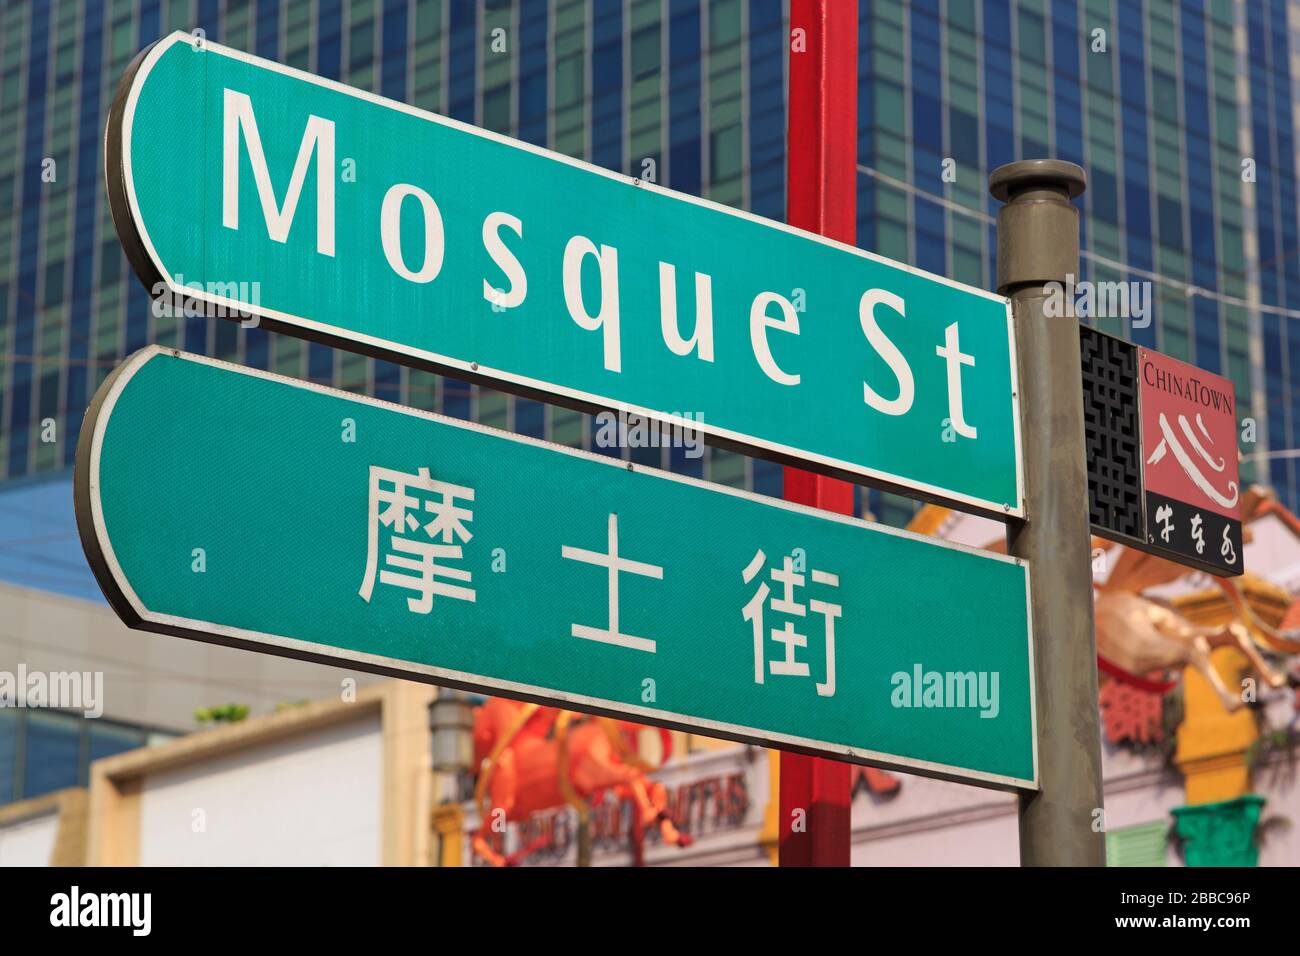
(1183, 113)
(151, 687)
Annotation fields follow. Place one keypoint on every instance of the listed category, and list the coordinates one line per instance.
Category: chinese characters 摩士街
(615, 563)
(417, 555)
(790, 579)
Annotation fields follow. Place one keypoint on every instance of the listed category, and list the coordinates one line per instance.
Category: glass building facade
(1183, 116)
(1182, 113)
(46, 750)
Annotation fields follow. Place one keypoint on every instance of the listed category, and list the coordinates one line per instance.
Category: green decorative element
(1141, 845)
(223, 714)
(453, 553)
(463, 250)
(1220, 834)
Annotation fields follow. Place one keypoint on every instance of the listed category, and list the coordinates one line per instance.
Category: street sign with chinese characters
(1162, 454)
(336, 215)
(402, 542)
(1189, 459)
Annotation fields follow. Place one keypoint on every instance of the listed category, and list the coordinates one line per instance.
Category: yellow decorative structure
(449, 829)
(1212, 743)
(1211, 608)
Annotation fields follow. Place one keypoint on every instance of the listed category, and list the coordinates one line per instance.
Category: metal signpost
(1038, 244)
(299, 520)
(333, 214)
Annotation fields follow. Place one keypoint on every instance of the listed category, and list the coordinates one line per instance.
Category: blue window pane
(533, 72)
(648, 455)
(456, 399)
(684, 165)
(1034, 149)
(1203, 241)
(320, 363)
(607, 82)
(530, 417)
(52, 753)
(1104, 196)
(964, 135)
(607, 63)
(688, 461)
(8, 755)
(388, 381)
(1171, 221)
(107, 739)
(462, 51)
(395, 25)
(329, 41)
(768, 478)
(927, 117)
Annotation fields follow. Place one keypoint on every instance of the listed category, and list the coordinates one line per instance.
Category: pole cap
(1054, 174)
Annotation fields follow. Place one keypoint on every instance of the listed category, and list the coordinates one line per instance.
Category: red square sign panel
(1189, 456)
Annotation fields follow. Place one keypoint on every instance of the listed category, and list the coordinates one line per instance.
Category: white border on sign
(1003, 509)
(126, 371)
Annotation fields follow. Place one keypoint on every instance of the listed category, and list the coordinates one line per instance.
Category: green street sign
(289, 518)
(249, 189)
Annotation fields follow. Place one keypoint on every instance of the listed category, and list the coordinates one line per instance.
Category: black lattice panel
(1110, 421)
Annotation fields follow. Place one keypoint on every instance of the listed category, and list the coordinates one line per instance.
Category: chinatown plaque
(1161, 439)
(1191, 487)
(332, 214)
(293, 519)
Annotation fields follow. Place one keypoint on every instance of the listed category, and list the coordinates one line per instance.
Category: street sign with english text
(337, 215)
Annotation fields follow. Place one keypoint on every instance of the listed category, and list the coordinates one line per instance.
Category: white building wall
(973, 841)
(29, 842)
(309, 799)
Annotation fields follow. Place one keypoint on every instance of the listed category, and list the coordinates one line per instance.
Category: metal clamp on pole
(1038, 242)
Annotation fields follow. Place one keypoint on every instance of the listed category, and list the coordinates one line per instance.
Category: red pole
(821, 191)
